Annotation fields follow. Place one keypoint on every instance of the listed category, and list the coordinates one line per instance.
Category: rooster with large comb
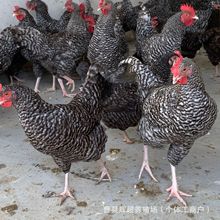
(157, 47)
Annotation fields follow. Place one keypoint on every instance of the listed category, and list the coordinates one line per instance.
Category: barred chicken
(191, 42)
(168, 40)
(108, 46)
(176, 115)
(24, 17)
(145, 29)
(69, 132)
(44, 20)
(128, 14)
(57, 53)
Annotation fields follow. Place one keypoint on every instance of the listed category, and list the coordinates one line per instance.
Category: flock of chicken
(168, 101)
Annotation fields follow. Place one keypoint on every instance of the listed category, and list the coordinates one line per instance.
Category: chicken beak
(196, 17)
(99, 9)
(2, 102)
(14, 14)
(175, 80)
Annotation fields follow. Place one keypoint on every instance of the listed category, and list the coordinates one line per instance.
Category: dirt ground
(29, 179)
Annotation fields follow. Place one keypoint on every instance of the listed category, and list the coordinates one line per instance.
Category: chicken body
(173, 114)
(163, 44)
(128, 14)
(108, 46)
(144, 30)
(122, 109)
(69, 132)
(56, 53)
(44, 20)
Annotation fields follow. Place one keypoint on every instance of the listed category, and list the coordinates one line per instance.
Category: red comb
(82, 7)
(0, 87)
(189, 9)
(68, 2)
(16, 7)
(175, 68)
(101, 3)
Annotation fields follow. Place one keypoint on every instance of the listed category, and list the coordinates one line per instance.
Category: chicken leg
(36, 88)
(127, 139)
(145, 165)
(104, 172)
(174, 192)
(217, 74)
(66, 193)
(53, 88)
(65, 94)
(16, 78)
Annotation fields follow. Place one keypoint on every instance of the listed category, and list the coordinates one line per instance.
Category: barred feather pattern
(127, 14)
(44, 20)
(144, 30)
(178, 115)
(166, 42)
(69, 132)
(28, 20)
(146, 78)
(160, 47)
(123, 108)
(108, 46)
(56, 53)
(8, 49)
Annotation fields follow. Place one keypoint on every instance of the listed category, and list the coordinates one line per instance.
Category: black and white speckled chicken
(128, 14)
(176, 115)
(168, 40)
(191, 42)
(87, 8)
(44, 20)
(160, 9)
(70, 132)
(24, 17)
(145, 29)
(57, 53)
(108, 46)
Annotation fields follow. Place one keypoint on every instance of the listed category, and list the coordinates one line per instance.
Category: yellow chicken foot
(104, 172)
(127, 139)
(66, 193)
(145, 165)
(174, 192)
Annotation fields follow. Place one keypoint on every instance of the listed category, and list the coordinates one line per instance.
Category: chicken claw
(126, 139)
(104, 172)
(65, 94)
(174, 192)
(70, 82)
(65, 194)
(145, 165)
